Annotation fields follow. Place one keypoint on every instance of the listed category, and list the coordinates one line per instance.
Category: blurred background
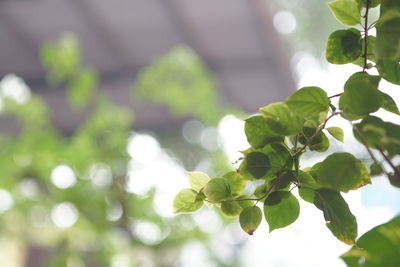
(105, 105)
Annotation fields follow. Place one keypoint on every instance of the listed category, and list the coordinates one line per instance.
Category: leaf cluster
(284, 131)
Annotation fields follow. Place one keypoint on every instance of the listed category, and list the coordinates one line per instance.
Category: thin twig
(366, 28)
(337, 95)
(254, 199)
(388, 160)
(363, 141)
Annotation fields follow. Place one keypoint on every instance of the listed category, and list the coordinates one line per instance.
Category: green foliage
(361, 95)
(63, 62)
(180, 81)
(250, 218)
(308, 102)
(108, 216)
(336, 132)
(378, 247)
(344, 46)
(281, 209)
(340, 171)
(217, 189)
(285, 131)
(346, 11)
(389, 70)
(258, 133)
(337, 214)
(198, 180)
(281, 119)
(187, 201)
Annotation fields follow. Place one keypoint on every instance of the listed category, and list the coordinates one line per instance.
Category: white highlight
(143, 148)
(63, 176)
(13, 87)
(285, 22)
(6, 200)
(64, 215)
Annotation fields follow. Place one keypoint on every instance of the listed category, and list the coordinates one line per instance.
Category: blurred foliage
(102, 222)
(181, 81)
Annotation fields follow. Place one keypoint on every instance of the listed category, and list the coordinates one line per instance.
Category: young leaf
(336, 132)
(217, 189)
(186, 201)
(337, 215)
(340, 171)
(343, 46)
(231, 209)
(361, 95)
(281, 119)
(281, 209)
(250, 218)
(236, 182)
(198, 180)
(308, 102)
(345, 11)
(258, 133)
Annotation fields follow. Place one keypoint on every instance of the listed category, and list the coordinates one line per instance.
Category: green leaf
(389, 104)
(258, 133)
(343, 46)
(281, 119)
(236, 182)
(361, 95)
(338, 217)
(340, 171)
(217, 189)
(308, 102)
(307, 186)
(281, 209)
(345, 11)
(257, 164)
(198, 180)
(375, 169)
(389, 70)
(388, 34)
(320, 143)
(377, 247)
(307, 194)
(306, 179)
(250, 218)
(186, 201)
(231, 209)
(336, 132)
(380, 133)
(310, 128)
